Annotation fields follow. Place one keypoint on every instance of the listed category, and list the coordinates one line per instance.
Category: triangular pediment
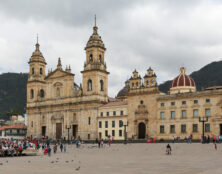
(58, 73)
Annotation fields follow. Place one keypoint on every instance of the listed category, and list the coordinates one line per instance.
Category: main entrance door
(43, 130)
(58, 130)
(142, 131)
(74, 130)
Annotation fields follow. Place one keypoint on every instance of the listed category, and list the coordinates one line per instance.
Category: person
(214, 139)
(101, 143)
(173, 139)
(77, 143)
(215, 146)
(49, 150)
(61, 147)
(64, 148)
(168, 149)
(55, 148)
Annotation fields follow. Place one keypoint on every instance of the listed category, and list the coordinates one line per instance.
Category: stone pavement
(121, 159)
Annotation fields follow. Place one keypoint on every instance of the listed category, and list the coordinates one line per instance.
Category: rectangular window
(207, 100)
(172, 114)
(113, 132)
(162, 104)
(106, 124)
(32, 124)
(100, 124)
(162, 115)
(184, 102)
(114, 113)
(184, 113)
(120, 133)
(101, 114)
(161, 129)
(183, 128)
(88, 136)
(207, 127)
(195, 102)
(120, 123)
(195, 113)
(207, 112)
(172, 103)
(113, 123)
(107, 113)
(172, 128)
(195, 127)
(89, 120)
(121, 112)
(106, 133)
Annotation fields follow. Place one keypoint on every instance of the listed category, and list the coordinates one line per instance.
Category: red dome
(183, 79)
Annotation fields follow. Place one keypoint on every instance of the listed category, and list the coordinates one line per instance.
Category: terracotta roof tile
(15, 126)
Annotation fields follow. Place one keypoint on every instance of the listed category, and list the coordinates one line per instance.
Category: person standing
(61, 147)
(49, 150)
(64, 148)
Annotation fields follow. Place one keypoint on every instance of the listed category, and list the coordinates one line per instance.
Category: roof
(115, 102)
(15, 126)
(213, 87)
(183, 79)
(123, 92)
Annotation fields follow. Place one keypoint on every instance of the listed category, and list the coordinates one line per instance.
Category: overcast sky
(138, 34)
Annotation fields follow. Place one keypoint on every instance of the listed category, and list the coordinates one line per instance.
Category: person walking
(61, 147)
(49, 150)
(55, 148)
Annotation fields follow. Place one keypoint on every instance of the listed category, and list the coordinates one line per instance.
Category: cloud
(137, 34)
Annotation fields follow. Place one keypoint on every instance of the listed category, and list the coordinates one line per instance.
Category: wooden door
(58, 130)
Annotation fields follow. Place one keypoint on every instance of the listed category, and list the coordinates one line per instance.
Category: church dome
(123, 92)
(37, 55)
(182, 83)
(95, 39)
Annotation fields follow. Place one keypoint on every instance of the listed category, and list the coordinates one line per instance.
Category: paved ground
(121, 159)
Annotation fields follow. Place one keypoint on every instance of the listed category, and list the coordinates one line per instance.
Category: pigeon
(1, 164)
(72, 160)
(6, 161)
(67, 161)
(52, 161)
(29, 161)
(78, 168)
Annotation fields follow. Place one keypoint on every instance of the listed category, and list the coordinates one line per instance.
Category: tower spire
(37, 43)
(95, 19)
(95, 28)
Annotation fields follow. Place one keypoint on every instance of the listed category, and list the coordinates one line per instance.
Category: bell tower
(95, 75)
(36, 76)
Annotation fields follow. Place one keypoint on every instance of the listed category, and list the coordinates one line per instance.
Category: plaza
(141, 158)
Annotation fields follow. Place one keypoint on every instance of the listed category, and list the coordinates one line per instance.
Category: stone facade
(59, 108)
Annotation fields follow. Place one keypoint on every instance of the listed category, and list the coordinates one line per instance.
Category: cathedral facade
(59, 108)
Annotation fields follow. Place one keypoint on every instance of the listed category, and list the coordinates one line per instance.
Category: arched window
(137, 85)
(90, 57)
(147, 83)
(89, 85)
(42, 93)
(141, 102)
(101, 85)
(32, 93)
(132, 85)
(58, 92)
(100, 58)
(152, 82)
(33, 71)
(40, 70)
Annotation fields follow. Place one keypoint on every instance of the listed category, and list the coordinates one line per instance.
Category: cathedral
(59, 108)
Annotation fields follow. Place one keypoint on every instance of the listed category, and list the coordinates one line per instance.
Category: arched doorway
(142, 130)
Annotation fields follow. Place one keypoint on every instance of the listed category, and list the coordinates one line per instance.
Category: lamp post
(203, 120)
(125, 133)
(68, 127)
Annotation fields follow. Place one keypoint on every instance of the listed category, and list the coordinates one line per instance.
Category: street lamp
(68, 127)
(203, 120)
(125, 133)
